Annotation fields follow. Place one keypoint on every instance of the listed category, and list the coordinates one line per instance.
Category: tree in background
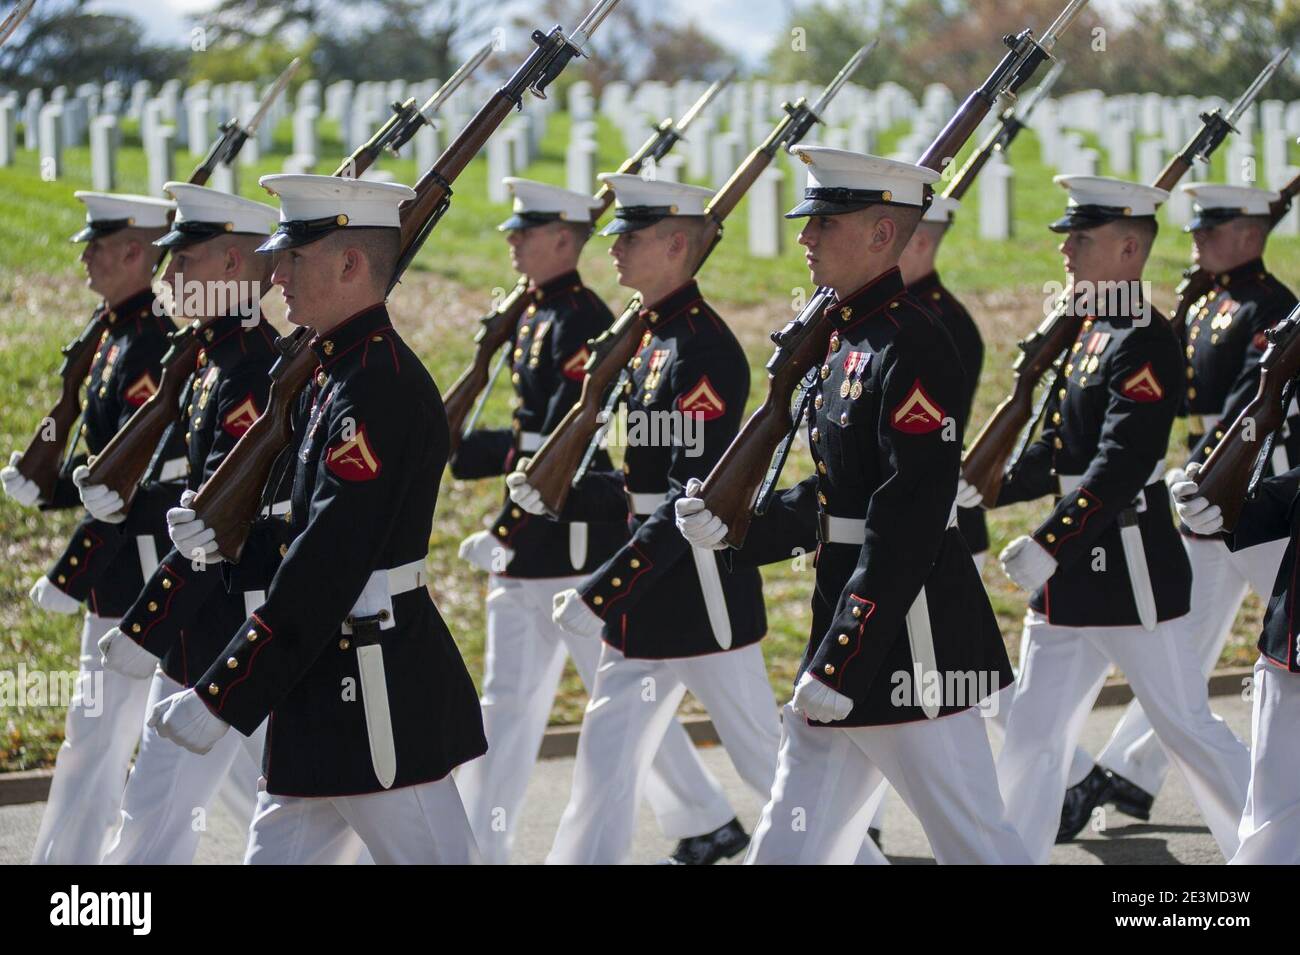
(366, 40)
(62, 43)
(1173, 47)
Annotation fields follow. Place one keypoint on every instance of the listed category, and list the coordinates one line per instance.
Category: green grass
(43, 303)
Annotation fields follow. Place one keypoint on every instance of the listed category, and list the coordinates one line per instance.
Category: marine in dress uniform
(369, 703)
(922, 277)
(670, 619)
(530, 559)
(1108, 575)
(1223, 341)
(105, 562)
(1270, 824)
(183, 617)
(904, 644)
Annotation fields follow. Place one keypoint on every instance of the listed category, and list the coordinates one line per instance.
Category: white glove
(103, 503)
(523, 493)
(1200, 516)
(1175, 476)
(697, 523)
(191, 536)
(817, 701)
(20, 489)
(1026, 562)
(968, 495)
(186, 720)
(571, 613)
(123, 655)
(484, 551)
(46, 595)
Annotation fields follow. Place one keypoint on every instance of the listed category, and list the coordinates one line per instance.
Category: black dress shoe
(1129, 798)
(723, 843)
(1080, 800)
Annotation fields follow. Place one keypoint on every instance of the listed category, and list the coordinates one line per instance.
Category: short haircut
(905, 218)
(1146, 229)
(579, 231)
(696, 229)
(144, 236)
(380, 246)
(256, 267)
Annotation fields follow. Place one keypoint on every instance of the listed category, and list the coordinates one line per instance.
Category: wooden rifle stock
(43, 456)
(1197, 282)
(985, 462)
(551, 469)
(731, 489)
(122, 463)
(229, 500)
(1224, 479)
(498, 326)
(495, 330)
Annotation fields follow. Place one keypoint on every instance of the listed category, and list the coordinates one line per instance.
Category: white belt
(174, 470)
(1071, 482)
(645, 504)
(853, 530)
(529, 441)
(277, 509)
(383, 585)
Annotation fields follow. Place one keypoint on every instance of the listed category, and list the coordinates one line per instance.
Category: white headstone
(304, 130)
(160, 159)
(726, 157)
(580, 165)
(198, 125)
(517, 134)
(1119, 148)
(51, 129)
(669, 169)
(8, 131)
(32, 119)
(696, 147)
(427, 148)
(500, 156)
(766, 223)
(1151, 159)
(226, 178)
(103, 153)
(995, 194)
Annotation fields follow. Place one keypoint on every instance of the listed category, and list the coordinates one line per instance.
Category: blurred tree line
(1203, 47)
(1165, 46)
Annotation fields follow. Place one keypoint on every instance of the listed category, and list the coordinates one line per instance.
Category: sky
(745, 26)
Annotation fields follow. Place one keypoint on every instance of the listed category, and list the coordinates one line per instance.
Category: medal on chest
(317, 413)
(856, 364)
(539, 340)
(659, 359)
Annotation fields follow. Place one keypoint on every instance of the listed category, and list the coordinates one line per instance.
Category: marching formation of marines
(263, 567)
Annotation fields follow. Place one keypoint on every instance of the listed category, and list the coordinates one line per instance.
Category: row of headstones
(1140, 133)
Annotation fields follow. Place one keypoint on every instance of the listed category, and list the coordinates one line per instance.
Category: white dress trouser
(1219, 581)
(423, 824)
(522, 667)
(821, 800)
(170, 791)
(1270, 826)
(1059, 681)
(99, 736)
(633, 703)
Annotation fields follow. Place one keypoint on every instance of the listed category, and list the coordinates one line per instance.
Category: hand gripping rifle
(747, 469)
(228, 501)
(497, 326)
(553, 469)
(985, 462)
(1229, 476)
(41, 460)
(125, 460)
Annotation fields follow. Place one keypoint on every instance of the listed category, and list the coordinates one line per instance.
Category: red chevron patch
(918, 413)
